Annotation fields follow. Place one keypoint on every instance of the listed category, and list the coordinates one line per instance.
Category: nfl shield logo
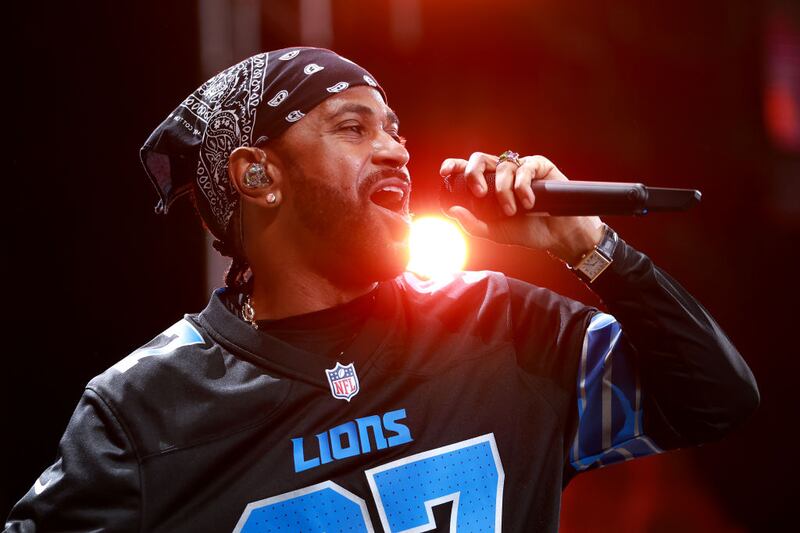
(343, 381)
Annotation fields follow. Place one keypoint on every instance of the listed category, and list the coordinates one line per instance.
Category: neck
(288, 283)
(286, 293)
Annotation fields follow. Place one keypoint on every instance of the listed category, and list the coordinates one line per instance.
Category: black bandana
(246, 104)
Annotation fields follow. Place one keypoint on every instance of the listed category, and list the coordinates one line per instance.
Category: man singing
(325, 390)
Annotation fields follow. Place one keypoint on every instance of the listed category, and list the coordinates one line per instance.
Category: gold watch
(595, 262)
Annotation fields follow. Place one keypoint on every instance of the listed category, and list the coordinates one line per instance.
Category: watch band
(595, 262)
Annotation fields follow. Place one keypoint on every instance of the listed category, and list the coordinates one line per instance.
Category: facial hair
(351, 245)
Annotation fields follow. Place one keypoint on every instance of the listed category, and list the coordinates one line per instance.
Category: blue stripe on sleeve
(609, 400)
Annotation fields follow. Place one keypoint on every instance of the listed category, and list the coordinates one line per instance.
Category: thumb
(469, 222)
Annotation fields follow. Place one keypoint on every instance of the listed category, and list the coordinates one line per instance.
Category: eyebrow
(365, 110)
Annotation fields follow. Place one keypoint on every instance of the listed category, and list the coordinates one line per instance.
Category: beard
(351, 243)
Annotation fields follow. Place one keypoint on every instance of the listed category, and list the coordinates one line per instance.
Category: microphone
(570, 198)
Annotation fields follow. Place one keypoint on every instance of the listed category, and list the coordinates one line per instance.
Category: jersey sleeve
(609, 427)
(696, 386)
(94, 483)
(656, 373)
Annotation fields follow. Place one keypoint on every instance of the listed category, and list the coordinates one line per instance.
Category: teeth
(393, 188)
(390, 197)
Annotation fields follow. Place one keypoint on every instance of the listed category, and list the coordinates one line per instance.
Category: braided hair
(238, 276)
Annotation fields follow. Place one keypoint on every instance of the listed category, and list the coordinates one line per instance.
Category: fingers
(478, 164)
(522, 185)
(533, 168)
(469, 222)
(512, 183)
(543, 168)
(452, 166)
(504, 182)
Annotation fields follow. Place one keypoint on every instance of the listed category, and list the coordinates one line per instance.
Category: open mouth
(391, 194)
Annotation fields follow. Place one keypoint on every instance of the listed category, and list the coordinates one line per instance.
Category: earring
(255, 176)
(272, 198)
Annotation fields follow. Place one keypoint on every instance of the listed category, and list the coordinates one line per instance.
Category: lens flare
(437, 247)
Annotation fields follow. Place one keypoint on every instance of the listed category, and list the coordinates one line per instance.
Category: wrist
(579, 241)
(598, 259)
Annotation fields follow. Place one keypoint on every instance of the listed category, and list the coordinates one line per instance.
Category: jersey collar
(241, 339)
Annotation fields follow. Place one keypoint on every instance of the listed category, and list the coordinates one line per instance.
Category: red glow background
(679, 94)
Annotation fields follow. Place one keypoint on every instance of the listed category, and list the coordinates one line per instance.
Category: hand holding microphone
(489, 196)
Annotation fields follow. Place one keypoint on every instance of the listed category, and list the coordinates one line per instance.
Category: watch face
(593, 264)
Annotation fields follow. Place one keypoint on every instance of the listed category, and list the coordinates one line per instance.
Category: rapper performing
(324, 388)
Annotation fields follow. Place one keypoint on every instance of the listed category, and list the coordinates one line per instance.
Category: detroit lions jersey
(462, 405)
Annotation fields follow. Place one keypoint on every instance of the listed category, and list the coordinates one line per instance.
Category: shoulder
(465, 304)
(494, 305)
(174, 352)
(480, 290)
(182, 388)
(467, 284)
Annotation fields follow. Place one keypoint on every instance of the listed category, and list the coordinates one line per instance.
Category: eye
(397, 137)
(353, 127)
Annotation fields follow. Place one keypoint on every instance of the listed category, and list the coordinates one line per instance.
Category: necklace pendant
(248, 313)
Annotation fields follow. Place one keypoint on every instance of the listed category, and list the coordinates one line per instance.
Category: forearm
(693, 378)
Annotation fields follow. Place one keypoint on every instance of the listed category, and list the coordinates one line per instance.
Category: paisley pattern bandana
(246, 104)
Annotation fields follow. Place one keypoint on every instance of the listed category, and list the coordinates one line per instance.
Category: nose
(388, 151)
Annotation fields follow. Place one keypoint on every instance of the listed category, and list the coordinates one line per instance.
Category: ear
(238, 163)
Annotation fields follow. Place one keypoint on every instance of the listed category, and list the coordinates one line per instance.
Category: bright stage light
(437, 247)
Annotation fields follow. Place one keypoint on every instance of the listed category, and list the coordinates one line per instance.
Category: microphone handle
(570, 198)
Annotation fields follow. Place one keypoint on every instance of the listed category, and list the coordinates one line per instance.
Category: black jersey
(463, 404)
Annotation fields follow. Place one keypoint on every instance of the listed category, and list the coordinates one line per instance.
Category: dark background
(683, 94)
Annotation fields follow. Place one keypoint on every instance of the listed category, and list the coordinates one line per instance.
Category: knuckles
(507, 176)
